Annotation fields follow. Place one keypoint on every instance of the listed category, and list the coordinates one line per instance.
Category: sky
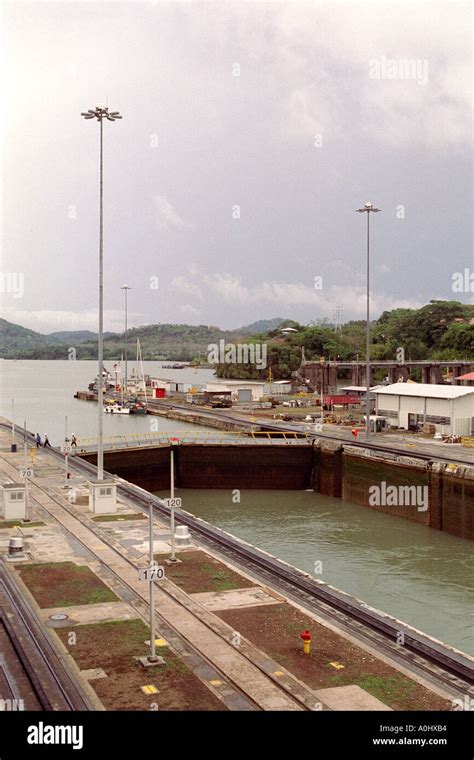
(251, 133)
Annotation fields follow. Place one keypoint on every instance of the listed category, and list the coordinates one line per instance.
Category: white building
(242, 390)
(279, 387)
(409, 405)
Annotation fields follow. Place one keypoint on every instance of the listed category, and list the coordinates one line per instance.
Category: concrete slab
(350, 698)
(159, 547)
(94, 613)
(236, 598)
(93, 673)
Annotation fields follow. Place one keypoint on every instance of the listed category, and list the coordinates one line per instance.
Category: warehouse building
(449, 408)
(241, 390)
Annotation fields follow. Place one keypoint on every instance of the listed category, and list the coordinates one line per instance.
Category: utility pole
(13, 425)
(100, 113)
(25, 452)
(152, 656)
(368, 209)
(173, 555)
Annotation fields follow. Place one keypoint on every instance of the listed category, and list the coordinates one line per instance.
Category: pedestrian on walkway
(38, 440)
(46, 441)
(73, 440)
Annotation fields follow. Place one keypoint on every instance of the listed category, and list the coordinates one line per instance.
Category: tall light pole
(125, 288)
(101, 112)
(368, 208)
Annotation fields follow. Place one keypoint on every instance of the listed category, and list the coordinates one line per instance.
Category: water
(419, 575)
(43, 392)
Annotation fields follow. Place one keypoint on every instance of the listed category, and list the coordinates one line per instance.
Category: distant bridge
(317, 375)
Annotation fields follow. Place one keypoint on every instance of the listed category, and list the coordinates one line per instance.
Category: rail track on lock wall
(432, 660)
(32, 673)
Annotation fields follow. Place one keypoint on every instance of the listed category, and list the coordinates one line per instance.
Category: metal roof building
(450, 408)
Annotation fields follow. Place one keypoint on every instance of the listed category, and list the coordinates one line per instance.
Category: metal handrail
(197, 437)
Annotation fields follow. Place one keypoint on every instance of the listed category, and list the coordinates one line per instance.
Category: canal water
(419, 575)
(43, 394)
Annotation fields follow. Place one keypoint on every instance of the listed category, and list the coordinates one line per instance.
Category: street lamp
(101, 112)
(125, 288)
(368, 208)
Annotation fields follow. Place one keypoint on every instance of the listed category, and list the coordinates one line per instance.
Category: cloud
(47, 320)
(230, 290)
(187, 308)
(167, 215)
(320, 56)
(185, 285)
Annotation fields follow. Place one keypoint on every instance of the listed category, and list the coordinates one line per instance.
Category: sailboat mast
(139, 353)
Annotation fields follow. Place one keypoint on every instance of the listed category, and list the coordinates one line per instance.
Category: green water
(419, 575)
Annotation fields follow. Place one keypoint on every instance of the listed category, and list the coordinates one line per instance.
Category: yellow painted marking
(337, 665)
(278, 673)
(216, 682)
(149, 689)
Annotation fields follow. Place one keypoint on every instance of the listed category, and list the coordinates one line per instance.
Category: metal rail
(55, 687)
(438, 654)
(198, 436)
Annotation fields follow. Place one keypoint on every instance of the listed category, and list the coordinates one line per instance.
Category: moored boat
(116, 409)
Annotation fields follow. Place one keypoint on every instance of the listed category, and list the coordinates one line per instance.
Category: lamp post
(368, 208)
(101, 112)
(125, 288)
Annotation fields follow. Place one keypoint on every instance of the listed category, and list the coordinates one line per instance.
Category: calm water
(421, 576)
(43, 392)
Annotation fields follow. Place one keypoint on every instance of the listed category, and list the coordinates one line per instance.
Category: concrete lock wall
(329, 468)
(363, 473)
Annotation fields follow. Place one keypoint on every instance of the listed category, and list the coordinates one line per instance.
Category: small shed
(13, 501)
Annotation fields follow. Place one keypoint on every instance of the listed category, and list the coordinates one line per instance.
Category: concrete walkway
(262, 690)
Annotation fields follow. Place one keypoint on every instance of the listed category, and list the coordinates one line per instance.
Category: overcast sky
(251, 132)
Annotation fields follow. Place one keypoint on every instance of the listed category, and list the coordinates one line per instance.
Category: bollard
(15, 546)
(306, 636)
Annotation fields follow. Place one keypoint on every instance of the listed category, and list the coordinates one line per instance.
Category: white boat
(116, 409)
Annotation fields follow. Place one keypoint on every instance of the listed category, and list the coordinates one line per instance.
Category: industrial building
(241, 390)
(448, 408)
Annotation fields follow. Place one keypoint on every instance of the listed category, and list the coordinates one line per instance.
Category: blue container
(13, 447)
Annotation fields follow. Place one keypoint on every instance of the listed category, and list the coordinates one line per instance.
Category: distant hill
(439, 330)
(76, 336)
(262, 326)
(170, 341)
(19, 342)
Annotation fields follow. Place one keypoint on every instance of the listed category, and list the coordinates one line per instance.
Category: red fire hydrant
(306, 636)
(355, 432)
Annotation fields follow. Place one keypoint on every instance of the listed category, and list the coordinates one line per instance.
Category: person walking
(73, 440)
(38, 440)
(46, 441)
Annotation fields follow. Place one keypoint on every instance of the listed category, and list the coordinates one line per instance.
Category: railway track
(304, 700)
(432, 660)
(33, 673)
